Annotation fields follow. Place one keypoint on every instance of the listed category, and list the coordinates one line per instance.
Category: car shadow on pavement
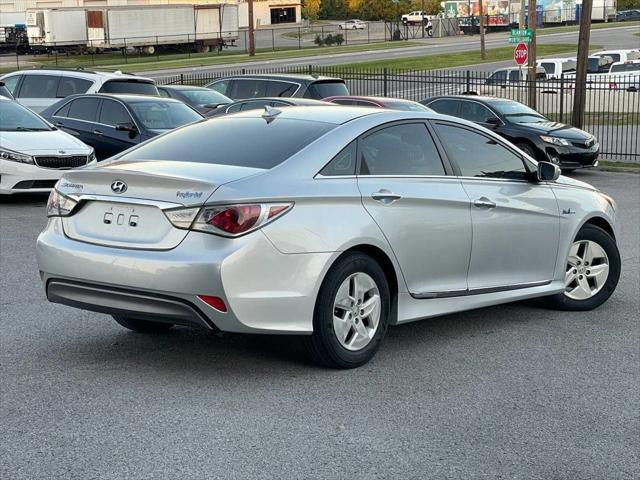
(194, 352)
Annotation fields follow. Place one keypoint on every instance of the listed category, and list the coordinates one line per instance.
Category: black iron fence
(612, 108)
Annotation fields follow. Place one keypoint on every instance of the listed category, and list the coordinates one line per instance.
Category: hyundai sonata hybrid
(332, 223)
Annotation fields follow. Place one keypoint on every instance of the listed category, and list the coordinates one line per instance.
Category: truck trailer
(143, 28)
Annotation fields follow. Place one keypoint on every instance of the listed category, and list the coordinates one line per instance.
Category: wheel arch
(603, 223)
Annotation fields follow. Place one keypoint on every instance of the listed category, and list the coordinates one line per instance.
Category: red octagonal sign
(521, 53)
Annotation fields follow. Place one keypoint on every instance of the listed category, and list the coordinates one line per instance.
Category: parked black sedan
(113, 123)
(202, 99)
(256, 103)
(533, 133)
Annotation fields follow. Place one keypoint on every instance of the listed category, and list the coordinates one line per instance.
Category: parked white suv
(39, 88)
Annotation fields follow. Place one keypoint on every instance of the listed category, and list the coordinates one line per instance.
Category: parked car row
(118, 111)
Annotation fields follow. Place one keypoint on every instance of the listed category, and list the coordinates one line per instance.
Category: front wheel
(592, 271)
(142, 326)
(351, 314)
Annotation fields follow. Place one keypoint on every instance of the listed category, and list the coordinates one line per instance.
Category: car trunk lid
(123, 203)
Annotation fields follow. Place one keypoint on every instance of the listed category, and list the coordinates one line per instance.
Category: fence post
(368, 33)
(273, 41)
(468, 81)
(299, 38)
(561, 113)
(310, 69)
(157, 49)
(182, 79)
(17, 55)
(55, 52)
(124, 50)
(246, 49)
(384, 81)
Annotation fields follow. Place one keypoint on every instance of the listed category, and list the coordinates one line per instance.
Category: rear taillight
(613, 85)
(227, 220)
(60, 205)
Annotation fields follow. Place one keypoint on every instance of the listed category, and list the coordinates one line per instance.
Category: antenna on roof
(270, 113)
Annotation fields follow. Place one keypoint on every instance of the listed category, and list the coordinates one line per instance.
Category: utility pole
(252, 40)
(483, 55)
(580, 94)
(422, 24)
(521, 16)
(531, 77)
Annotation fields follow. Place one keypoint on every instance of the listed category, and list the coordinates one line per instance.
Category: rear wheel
(142, 326)
(351, 313)
(592, 271)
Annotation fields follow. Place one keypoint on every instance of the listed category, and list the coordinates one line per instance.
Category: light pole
(252, 43)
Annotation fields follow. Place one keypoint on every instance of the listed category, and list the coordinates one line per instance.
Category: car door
(422, 211)
(81, 116)
(516, 223)
(113, 141)
(37, 92)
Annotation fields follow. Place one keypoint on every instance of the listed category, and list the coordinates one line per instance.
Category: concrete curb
(619, 169)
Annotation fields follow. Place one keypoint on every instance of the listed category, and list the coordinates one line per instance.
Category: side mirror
(547, 172)
(493, 121)
(127, 127)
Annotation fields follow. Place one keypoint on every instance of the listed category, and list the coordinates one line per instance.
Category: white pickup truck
(416, 17)
(556, 67)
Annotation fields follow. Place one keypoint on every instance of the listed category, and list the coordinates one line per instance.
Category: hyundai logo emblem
(118, 186)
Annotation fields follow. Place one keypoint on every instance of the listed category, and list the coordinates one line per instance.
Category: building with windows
(266, 13)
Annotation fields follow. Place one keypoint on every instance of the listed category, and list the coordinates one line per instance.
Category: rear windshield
(129, 86)
(236, 141)
(320, 90)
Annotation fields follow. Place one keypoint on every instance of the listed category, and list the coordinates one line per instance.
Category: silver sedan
(331, 223)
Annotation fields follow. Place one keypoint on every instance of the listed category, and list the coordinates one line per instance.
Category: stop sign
(521, 53)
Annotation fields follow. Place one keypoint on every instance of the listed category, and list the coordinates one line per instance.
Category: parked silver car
(332, 223)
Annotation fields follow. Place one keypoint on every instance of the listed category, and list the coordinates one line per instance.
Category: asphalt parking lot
(509, 392)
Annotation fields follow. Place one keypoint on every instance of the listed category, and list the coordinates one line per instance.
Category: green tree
(311, 9)
(333, 10)
(627, 4)
(383, 9)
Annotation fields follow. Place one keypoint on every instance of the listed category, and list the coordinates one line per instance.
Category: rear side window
(163, 93)
(320, 90)
(129, 86)
(248, 89)
(64, 111)
(405, 149)
(39, 86)
(223, 141)
(479, 156)
(71, 86)
(475, 112)
(550, 68)
(84, 109)
(112, 113)
(281, 89)
(343, 101)
(223, 87)
(344, 163)
(446, 107)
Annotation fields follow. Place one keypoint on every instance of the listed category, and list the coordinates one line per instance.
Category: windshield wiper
(29, 129)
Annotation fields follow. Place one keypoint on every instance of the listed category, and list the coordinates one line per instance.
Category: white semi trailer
(144, 28)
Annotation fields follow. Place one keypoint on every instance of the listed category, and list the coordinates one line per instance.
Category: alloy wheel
(587, 270)
(356, 311)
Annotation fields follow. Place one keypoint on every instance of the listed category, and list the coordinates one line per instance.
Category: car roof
(480, 98)
(371, 98)
(81, 73)
(183, 87)
(297, 77)
(125, 97)
(290, 100)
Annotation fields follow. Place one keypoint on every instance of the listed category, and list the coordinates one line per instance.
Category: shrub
(329, 40)
(319, 41)
(338, 38)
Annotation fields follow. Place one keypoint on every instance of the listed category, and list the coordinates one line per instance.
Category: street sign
(521, 54)
(523, 35)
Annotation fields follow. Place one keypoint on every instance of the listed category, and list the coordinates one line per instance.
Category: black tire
(142, 326)
(596, 234)
(528, 149)
(323, 345)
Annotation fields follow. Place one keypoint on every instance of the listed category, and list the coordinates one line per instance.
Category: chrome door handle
(385, 196)
(97, 132)
(484, 202)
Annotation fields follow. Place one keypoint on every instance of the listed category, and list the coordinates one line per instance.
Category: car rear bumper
(265, 291)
